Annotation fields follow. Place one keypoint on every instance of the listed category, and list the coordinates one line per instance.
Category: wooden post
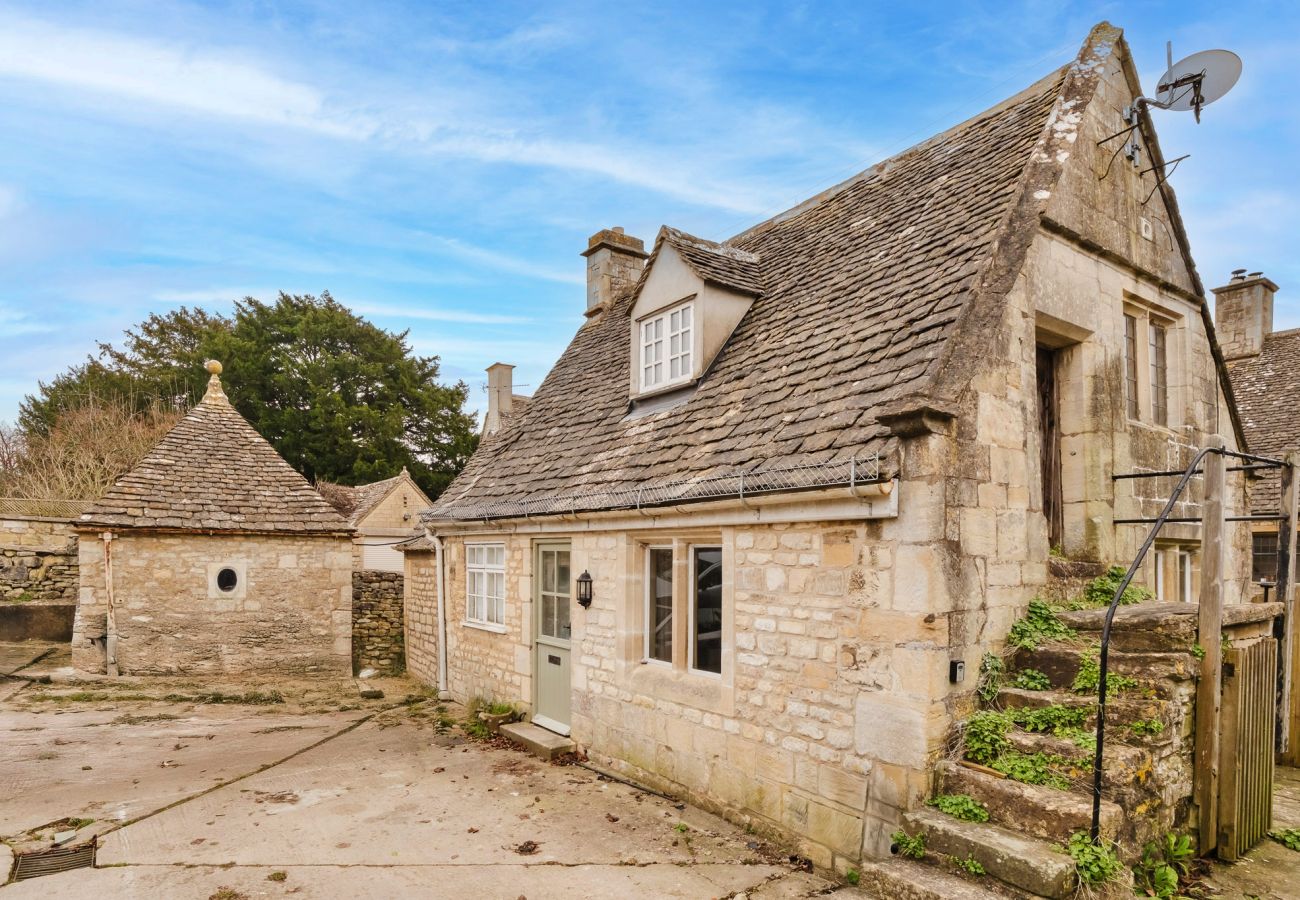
(1289, 652)
(1209, 687)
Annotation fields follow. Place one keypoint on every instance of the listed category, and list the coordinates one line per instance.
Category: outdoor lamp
(584, 589)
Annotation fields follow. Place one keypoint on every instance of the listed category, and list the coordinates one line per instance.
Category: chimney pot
(614, 263)
(1243, 314)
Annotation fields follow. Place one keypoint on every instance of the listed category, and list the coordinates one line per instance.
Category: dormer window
(666, 343)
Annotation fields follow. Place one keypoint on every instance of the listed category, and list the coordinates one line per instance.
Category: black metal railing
(1193, 469)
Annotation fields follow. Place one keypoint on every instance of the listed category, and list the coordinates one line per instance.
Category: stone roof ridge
(679, 237)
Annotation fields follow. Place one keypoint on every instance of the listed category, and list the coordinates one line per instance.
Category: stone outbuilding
(213, 557)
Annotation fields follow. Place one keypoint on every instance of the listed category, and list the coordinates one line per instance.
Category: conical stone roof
(213, 472)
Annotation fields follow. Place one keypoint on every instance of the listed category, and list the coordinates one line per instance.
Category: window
(227, 579)
(706, 609)
(666, 347)
(1130, 366)
(1185, 576)
(485, 584)
(1263, 564)
(659, 605)
(1159, 374)
(1160, 562)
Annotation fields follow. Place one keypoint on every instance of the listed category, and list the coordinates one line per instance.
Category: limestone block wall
(378, 640)
(38, 560)
(420, 614)
(290, 614)
(493, 663)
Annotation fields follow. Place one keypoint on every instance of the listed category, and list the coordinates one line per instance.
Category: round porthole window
(227, 579)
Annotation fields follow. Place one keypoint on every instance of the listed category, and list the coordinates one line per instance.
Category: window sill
(1168, 430)
(485, 626)
(704, 691)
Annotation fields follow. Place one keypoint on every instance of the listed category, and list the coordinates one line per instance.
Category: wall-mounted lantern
(584, 589)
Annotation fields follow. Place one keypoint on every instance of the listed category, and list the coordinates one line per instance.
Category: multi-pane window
(659, 604)
(1130, 366)
(1263, 562)
(485, 584)
(1158, 336)
(706, 609)
(666, 347)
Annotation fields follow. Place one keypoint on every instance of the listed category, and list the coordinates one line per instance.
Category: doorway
(551, 645)
(1049, 434)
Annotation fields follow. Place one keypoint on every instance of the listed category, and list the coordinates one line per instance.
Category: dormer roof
(726, 266)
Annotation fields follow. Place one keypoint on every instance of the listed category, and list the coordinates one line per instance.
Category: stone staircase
(1148, 766)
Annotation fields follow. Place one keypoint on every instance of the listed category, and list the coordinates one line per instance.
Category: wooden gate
(1247, 723)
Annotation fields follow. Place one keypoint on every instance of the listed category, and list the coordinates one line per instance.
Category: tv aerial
(1195, 81)
(1189, 85)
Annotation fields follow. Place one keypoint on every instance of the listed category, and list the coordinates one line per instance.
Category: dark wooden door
(1049, 427)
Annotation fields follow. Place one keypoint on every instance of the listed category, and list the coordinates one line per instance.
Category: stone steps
(906, 879)
(1060, 661)
(1032, 865)
(537, 740)
(1036, 810)
(1121, 709)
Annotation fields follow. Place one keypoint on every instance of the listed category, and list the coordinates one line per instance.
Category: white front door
(551, 595)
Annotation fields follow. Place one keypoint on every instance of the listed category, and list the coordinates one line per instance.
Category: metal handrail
(1192, 469)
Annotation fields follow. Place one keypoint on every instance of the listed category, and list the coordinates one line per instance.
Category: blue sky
(439, 166)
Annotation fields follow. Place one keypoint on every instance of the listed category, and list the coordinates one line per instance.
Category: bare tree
(11, 451)
(89, 447)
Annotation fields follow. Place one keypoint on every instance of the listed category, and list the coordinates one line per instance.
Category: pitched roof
(720, 264)
(861, 288)
(214, 472)
(355, 502)
(1266, 387)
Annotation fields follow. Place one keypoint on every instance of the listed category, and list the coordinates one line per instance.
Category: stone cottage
(213, 557)
(754, 533)
(383, 514)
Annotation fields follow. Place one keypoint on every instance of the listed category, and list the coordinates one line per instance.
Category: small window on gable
(666, 343)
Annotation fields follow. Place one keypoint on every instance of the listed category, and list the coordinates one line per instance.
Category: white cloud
(234, 86)
(434, 314)
(10, 201)
(14, 323)
(199, 81)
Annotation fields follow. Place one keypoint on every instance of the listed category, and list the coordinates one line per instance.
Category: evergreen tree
(339, 398)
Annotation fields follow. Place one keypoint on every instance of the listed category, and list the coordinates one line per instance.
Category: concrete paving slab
(115, 764)
(402, 795)
(399, 805)
(498, 882)
(537, 740)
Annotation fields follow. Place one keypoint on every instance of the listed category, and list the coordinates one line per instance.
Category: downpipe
(110, 616)
(443, 693)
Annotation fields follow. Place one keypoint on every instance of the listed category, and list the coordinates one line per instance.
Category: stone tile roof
(861, 288)
(355, 502)
(214, 472)
(721, 264)
(417, 544)
(1266, 387)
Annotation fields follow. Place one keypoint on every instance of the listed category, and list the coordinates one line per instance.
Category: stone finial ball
(213, 366)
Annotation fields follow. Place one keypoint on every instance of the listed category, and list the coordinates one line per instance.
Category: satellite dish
(1197, 80)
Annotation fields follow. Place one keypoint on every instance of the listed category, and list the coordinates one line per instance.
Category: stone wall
(486, 661)
(290, 613)
(38, 560)
(420, 615)
(377, 636)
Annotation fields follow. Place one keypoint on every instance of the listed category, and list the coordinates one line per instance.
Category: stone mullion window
(1158, 336)
(1131, 366)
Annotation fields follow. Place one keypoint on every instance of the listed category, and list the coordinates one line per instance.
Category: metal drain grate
(52, 862)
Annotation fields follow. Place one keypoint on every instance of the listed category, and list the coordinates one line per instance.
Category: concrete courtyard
(200, 790)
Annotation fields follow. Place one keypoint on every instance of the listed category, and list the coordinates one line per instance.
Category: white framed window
(666, 341)
(485, 584)
(706, 610)
(659, 605)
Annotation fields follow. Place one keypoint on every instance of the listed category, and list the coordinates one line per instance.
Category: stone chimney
(1243, 313)
(501, 396)
(614, 262)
